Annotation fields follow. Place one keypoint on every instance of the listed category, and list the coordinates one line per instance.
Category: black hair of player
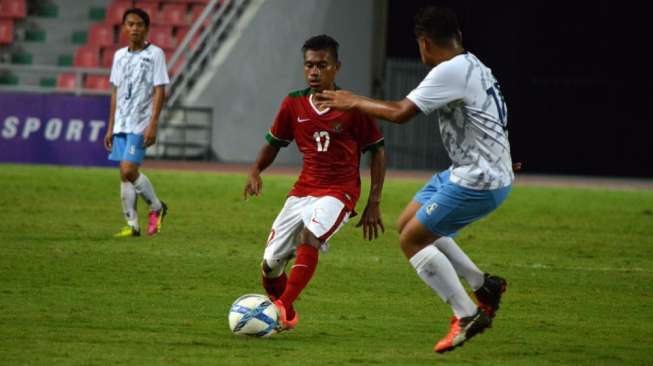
(438, 23)
(322, 42)
(137, 11)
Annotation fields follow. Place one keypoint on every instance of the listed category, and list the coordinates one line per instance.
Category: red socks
(300, 275)
(275, 286)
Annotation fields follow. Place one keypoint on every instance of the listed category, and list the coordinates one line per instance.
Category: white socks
(144, 189)
(461, 262)
(128, 198)
(434, 268)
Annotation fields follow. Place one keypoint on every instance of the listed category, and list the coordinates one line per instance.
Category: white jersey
(135, 74)
(473, 120)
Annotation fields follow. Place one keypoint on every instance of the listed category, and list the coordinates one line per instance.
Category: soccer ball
(253, 315)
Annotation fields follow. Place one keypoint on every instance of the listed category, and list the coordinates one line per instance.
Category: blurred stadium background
(579, 96)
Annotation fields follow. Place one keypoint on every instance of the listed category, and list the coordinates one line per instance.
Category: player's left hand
(371, 221)
(337, 99)
(149, 138)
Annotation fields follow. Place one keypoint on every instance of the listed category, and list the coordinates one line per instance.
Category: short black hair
(321, 42)
(140, 12)
(438, 23)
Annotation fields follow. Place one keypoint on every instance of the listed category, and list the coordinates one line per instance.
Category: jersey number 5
(318, 136)
(495, 92)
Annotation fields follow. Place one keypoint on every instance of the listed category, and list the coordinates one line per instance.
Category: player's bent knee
(128, 174)
(273, 268)
(414, 238)
(409, 213)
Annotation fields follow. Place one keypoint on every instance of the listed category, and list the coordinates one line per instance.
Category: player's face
(320, 69)
(134, 27)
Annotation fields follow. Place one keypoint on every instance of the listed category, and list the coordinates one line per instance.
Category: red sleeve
(282, 131)
(368, 134)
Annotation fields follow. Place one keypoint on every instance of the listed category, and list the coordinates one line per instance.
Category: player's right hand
(108, 140)
(253, 186)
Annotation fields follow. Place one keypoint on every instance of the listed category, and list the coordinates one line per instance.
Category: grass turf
(578, 263)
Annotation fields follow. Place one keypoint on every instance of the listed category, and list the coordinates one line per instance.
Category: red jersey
(331, 143)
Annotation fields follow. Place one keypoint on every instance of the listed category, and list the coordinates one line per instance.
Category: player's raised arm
(392, 111)
(371, 219)
(254, 184)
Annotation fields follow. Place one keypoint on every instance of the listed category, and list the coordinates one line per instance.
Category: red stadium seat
(196, 11)
(6, 31)
(107, 56)
(174, 14)
(116, 10)
(122, 39)
(87, 56)
(101, 35)
(162, 36)
(152, 9)
(66, 81)
(97, 82)
(13, 9)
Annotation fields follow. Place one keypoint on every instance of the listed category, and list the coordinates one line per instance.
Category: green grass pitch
(579, 264)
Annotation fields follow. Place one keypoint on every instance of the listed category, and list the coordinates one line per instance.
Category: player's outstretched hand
(149, 138)
(108, 140)
(337, 99)
(371, 221)
(253, 186)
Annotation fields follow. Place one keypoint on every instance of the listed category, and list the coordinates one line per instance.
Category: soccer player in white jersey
(472, 116)
(139, 76)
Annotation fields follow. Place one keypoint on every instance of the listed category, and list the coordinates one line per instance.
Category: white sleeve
(116, 75)
(443, 84)
(160, 69)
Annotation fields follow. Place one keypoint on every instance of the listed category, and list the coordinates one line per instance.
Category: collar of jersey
(309, 93)
(139, 51)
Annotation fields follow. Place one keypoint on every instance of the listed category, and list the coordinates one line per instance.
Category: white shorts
(322, 216)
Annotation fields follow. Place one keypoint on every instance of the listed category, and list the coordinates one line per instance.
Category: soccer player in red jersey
(325, 195)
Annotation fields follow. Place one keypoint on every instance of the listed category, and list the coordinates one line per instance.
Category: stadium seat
(116, 10)
(6, 31)
(101, 35)
(174, 14)
(97, 82)
(122, 39)
(196, 11)
(107, 56)
(13, 9)
(87, 56)
(162, 36)
(152, 9)
(66, 81)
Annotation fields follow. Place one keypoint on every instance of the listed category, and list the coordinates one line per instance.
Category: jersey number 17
(495, 92)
